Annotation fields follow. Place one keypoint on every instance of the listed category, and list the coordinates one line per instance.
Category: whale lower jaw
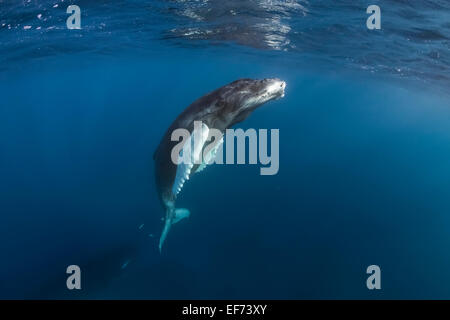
(273, 92)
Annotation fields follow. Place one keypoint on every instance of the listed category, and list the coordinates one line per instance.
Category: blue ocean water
(364, 150)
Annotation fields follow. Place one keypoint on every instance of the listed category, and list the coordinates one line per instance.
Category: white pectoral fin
(190, 155)
(210, 156)
(183, 172)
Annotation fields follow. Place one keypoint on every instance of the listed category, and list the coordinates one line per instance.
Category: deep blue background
(364, 179)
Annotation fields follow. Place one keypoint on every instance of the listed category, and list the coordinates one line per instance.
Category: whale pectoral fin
(180, 214)
(210, 156)
(190, 156)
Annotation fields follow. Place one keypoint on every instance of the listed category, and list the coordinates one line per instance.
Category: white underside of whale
(191, 155)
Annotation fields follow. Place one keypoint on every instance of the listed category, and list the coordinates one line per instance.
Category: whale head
(245, 95)
(254, 93)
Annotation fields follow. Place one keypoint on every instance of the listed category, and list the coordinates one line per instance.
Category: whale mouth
(264, 91)
(277, 86)
(281, 85)
(274, 90)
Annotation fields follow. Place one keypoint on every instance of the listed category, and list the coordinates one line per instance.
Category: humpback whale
(219, 109)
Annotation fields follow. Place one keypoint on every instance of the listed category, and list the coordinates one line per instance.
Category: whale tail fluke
(172, 218)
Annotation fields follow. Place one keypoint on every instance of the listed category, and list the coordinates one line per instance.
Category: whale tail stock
(172, 216)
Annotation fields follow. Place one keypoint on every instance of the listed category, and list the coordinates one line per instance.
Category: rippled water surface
(413, 42)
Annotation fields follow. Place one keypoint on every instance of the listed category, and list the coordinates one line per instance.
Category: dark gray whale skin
(219, 109)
